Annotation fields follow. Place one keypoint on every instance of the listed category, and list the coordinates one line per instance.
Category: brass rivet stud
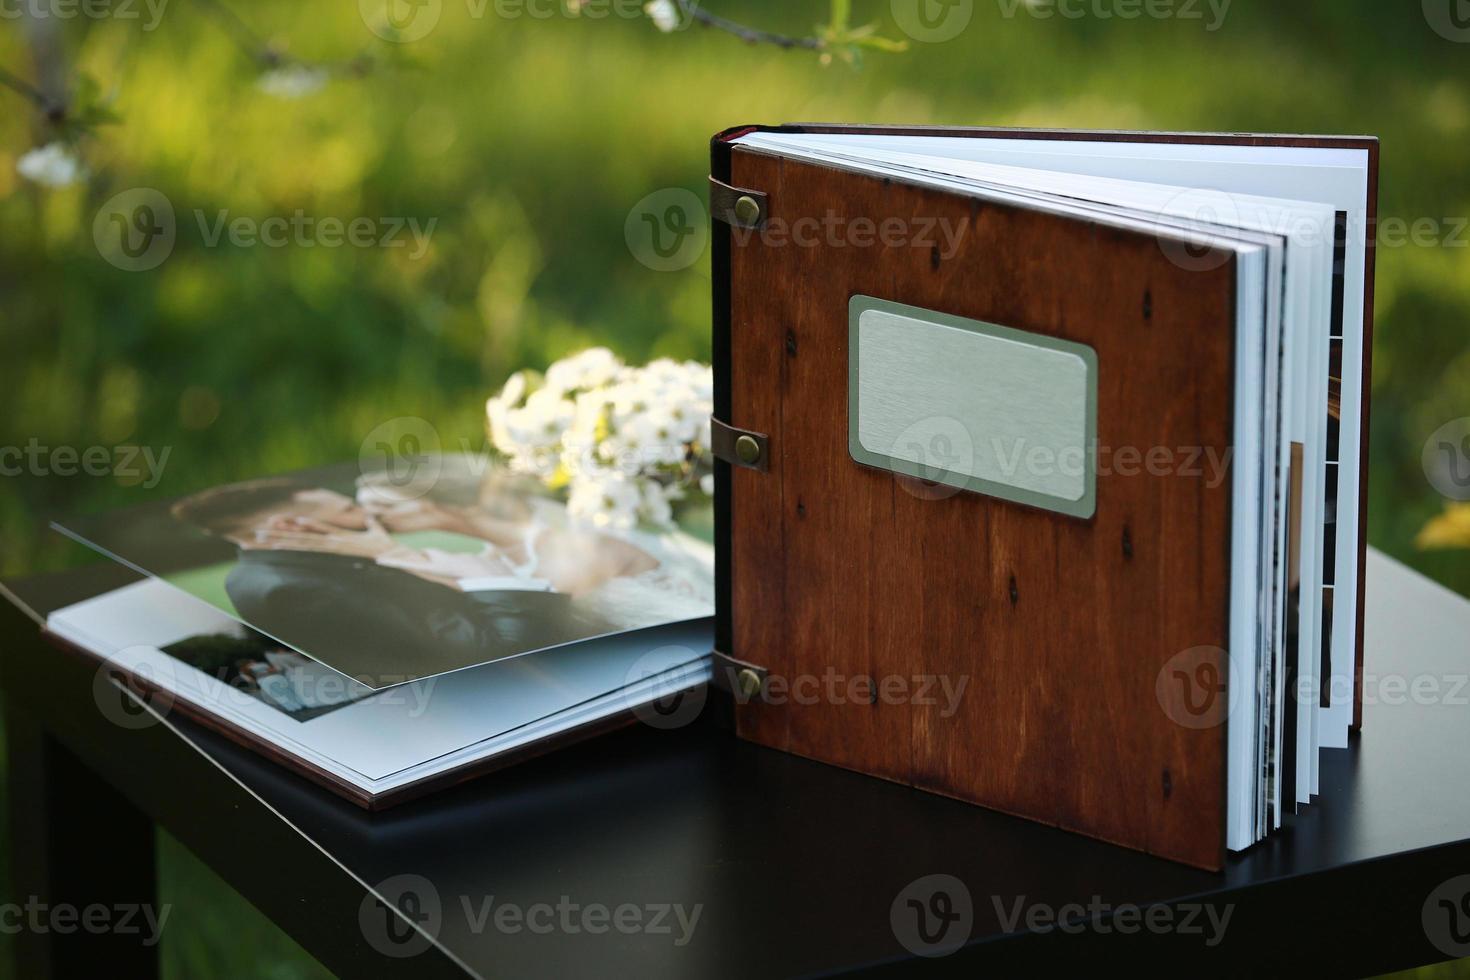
(748, 209)
(748, 450)
(749, 682)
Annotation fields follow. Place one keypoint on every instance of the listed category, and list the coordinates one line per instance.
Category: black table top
(796, 868)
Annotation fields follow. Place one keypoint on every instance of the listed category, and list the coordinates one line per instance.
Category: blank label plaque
(973, 405)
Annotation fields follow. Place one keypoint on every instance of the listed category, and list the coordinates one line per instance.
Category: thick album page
(195, 657)
(390, 580)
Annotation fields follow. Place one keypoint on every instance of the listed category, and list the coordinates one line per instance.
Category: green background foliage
(528, 140)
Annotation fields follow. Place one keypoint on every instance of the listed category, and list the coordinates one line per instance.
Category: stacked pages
(384, 640)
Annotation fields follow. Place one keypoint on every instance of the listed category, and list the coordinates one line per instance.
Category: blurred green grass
(528, 141)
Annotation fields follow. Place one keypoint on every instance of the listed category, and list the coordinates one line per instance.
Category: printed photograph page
(388, 579)
(202, 659)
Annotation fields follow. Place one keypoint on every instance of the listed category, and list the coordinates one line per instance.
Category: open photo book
(1080, 415)
(383, 637)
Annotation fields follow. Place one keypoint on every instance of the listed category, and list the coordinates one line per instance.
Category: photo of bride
(389, 583)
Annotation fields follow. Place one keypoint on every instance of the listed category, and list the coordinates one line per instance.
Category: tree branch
(25, 88)
(749, 35)
(49, 56)
(259, 50)
(254, 46)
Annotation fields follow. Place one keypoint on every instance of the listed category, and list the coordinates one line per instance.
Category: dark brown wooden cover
(1059, 627)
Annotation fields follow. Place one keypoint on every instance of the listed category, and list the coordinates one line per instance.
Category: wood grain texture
(1368, 144)
(1057, 627)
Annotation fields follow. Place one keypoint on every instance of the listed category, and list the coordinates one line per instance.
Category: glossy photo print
(389, 580)
(259, 667)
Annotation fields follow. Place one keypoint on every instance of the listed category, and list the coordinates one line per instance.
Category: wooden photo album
(1071, 425)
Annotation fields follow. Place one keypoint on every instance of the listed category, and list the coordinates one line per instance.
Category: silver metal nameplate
(973, 405)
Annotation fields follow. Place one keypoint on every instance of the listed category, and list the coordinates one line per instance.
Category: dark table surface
(795, 868)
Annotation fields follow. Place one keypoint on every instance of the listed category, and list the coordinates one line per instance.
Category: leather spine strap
(737, 206)
(740, 447)
(745, 681)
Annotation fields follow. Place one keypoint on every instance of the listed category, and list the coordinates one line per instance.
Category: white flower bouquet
(626, 444)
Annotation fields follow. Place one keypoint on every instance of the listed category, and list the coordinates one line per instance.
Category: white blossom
(607, 499)
(702, 439)
(664, 14)
(626, 443)
(592, 368)
(535, 430)
(656, 497)
(498, 408)
(291, 81)
(656, 435)
(54, 165)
